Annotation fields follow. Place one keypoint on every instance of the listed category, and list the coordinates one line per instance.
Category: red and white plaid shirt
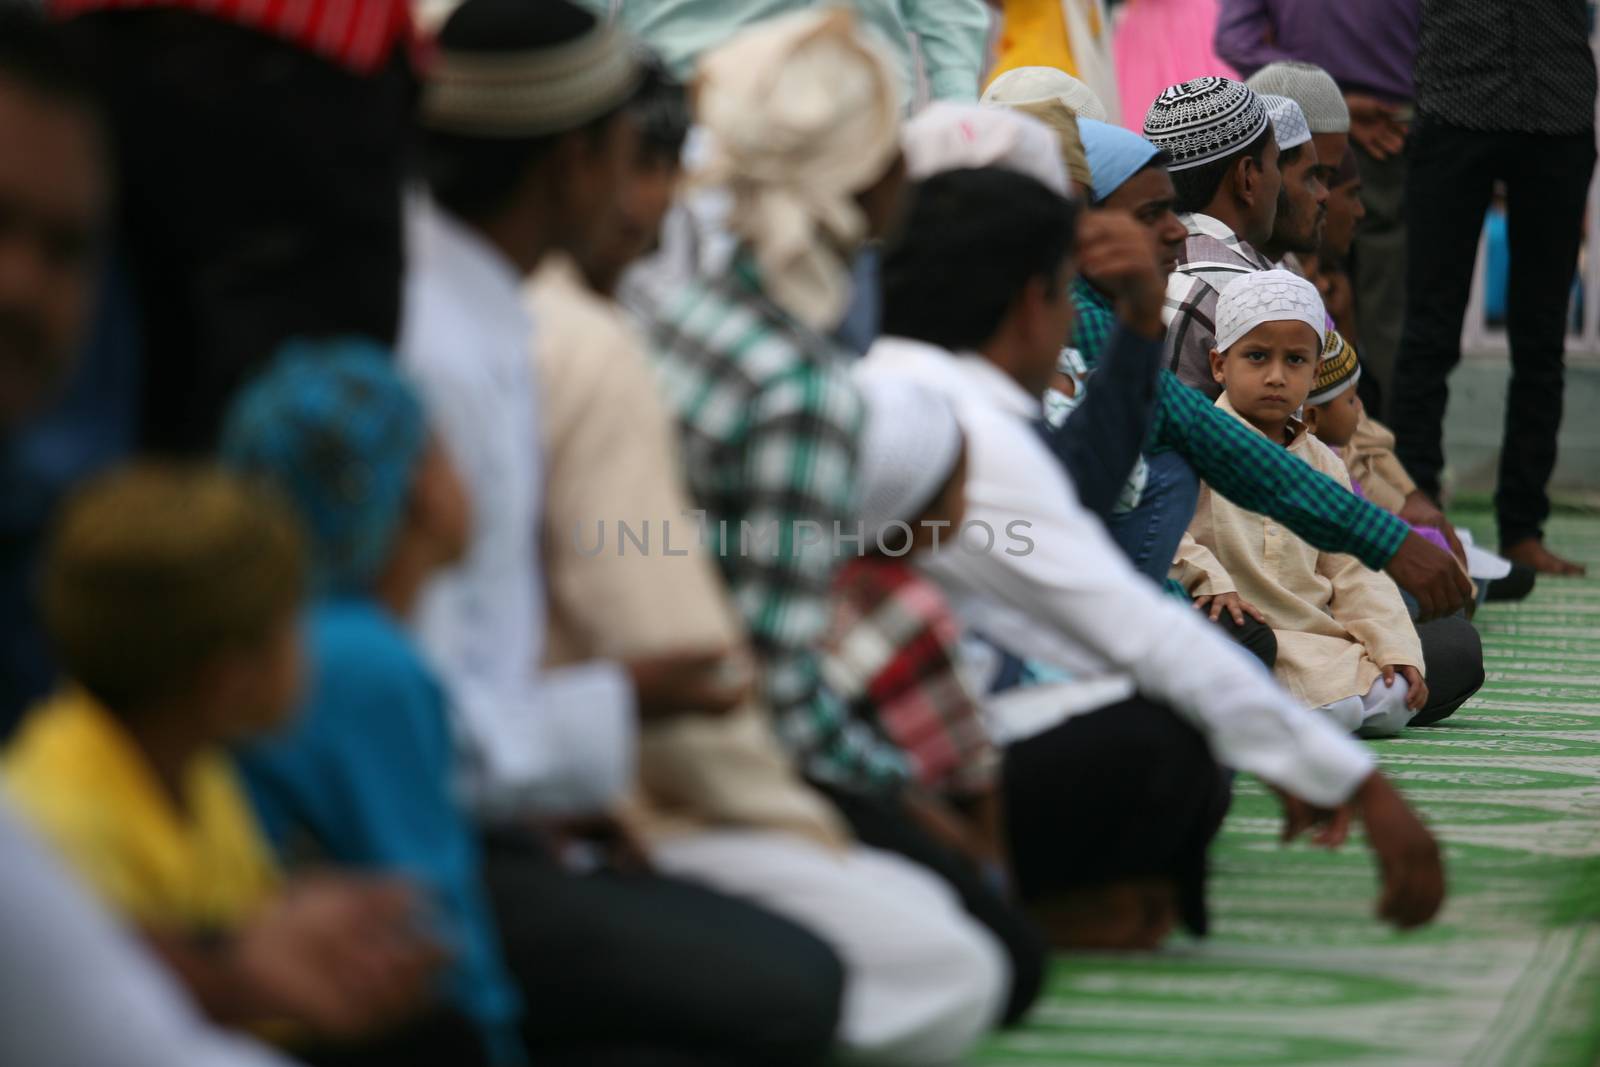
(358, 34)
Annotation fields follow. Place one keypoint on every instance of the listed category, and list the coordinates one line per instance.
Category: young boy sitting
(362, 775)
(1346, 644)
(171, 597)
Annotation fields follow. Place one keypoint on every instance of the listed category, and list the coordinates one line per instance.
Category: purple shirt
(1369, 46)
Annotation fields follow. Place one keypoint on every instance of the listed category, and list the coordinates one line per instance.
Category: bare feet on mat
(1531, 553)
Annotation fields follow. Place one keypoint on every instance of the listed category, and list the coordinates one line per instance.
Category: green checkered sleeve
(798, 490)
(1262, 477)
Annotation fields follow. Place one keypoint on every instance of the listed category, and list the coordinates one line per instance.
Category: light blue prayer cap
(1115, 155)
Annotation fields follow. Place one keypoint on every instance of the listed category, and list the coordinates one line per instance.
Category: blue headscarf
(333, 426)
(1115, 155)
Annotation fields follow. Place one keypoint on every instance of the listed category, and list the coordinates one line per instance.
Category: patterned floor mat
(1296, 971)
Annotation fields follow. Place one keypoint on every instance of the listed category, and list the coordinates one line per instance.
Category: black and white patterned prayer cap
(1204, 120)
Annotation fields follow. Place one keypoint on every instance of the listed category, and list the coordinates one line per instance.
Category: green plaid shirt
(1242, 465)
(771, 423)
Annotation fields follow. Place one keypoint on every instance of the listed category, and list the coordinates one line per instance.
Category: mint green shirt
(952, 35)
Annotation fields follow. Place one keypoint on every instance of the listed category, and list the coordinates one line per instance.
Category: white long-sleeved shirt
(78, 989)
(1072, 599)
(558, 741)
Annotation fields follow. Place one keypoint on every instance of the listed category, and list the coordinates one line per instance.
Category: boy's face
(1269, 371)
(649, 195)
(1334, 423)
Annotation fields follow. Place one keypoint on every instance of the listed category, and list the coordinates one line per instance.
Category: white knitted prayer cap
(1289, 127)
(1268, 296)
(1309, 86)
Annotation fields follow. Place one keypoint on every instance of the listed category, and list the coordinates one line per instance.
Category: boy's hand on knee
(1235, 605)
(1416, 685)
(1408, 856)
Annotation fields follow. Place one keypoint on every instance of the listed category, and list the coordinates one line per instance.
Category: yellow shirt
(81, 781)
(1336, 622)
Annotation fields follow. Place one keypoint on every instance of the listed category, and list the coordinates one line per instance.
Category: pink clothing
(1160, 43)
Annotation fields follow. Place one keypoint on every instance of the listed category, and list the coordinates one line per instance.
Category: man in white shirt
(528, 138)
(984, 327)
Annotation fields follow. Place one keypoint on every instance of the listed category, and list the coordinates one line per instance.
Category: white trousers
(923, 980)
(1381, 713)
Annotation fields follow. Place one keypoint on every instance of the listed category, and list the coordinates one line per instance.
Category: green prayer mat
(1297, 971)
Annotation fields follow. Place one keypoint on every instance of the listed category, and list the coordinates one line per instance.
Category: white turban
(1035, 85)
(909, 448)
(802, 113)
(947, 136)
(1268, 296)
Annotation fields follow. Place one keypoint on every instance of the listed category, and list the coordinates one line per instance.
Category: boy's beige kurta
(1336, 622)
(1371, 461)
(611, 455)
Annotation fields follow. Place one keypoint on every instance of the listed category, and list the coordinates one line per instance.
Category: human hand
(1331, 825)
(1120, 255)
(1375, 126)
(698, 683)
(1420, 510)
(343, 957)
(1416, 685)
(1234, 604)
(1408, 856)
(1440, 586)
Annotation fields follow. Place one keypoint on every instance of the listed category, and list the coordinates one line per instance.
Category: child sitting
(1346, 644)
(362, 775)
(171, 597)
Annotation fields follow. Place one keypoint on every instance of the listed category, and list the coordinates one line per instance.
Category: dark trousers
(1378, 269)
(881, 823)
(641, 970)
(260, 192)
(1129, 791)
(444, 1039)
(1451, 178)
(1452, 655)
(1254, 637)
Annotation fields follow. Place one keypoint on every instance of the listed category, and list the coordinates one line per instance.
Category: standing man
(1369, 47)
(1505, 92)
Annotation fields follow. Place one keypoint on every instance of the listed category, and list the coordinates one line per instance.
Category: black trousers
(1452, 653)
(881, 823)
(1451, 177)
(642, 970)
(1128, 791)
(259, 190)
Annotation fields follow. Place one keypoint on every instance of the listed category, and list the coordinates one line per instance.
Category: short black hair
(660, 111)
(970, 243)
(34, 54)
(1288, 156)
(475, 177)
(1197, 185)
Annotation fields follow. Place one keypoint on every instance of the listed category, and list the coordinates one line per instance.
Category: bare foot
(1530, 552)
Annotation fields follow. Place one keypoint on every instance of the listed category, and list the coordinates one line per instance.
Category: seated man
(976, 303)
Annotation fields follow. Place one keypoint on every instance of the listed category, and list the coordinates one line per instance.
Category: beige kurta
(1371, 461)
(611, 457)
(1336, 622)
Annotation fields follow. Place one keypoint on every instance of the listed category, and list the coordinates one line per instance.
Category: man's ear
(1246, 178)
(1216, 366)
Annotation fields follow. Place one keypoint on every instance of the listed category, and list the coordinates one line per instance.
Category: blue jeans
(1150, 533)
